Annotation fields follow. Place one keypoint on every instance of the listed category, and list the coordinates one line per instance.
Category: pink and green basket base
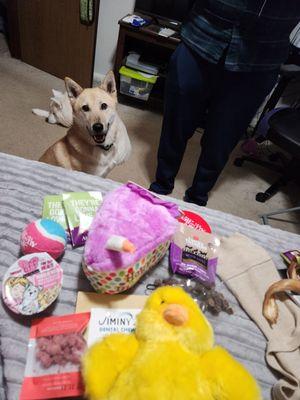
(124, 278)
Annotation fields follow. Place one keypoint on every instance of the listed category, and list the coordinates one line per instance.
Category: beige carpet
(23, 87)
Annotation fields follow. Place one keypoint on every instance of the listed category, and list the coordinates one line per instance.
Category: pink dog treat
(45, 359)
(32, 283)
(60, 349)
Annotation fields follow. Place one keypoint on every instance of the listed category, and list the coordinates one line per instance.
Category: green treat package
(53, 209)
(80, 208)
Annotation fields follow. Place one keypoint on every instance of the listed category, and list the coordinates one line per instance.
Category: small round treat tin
(32, 283)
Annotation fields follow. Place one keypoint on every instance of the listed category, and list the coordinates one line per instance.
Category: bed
(23, 185)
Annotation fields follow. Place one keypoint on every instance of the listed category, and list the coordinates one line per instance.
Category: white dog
(97, 141)
(60, 110)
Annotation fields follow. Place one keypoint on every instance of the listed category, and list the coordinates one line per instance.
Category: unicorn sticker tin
(32, 283)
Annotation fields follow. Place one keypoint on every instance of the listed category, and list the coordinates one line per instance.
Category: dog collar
(107, 147)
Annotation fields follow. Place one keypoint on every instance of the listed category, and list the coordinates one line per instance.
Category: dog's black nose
(98, 128)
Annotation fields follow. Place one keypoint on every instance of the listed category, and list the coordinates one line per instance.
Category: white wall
(110, 12)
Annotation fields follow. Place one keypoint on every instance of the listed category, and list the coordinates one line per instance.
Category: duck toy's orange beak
(176, 314)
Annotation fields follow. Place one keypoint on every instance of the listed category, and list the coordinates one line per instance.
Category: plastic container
(135, 83)
(133, 61)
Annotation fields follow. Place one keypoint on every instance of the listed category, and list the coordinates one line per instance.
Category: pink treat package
(55, 348)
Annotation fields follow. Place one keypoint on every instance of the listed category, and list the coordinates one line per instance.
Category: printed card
(105, 321)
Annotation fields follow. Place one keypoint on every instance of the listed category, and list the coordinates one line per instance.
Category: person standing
(227, 63)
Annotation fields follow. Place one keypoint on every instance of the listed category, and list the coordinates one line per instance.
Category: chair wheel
(262, 197)
(238, 162)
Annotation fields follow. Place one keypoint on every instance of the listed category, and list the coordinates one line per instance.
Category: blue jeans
(197, 90)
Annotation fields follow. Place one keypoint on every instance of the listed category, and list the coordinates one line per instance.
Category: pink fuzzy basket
(144, 219)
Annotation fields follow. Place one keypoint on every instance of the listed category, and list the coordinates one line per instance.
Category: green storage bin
(135, 83)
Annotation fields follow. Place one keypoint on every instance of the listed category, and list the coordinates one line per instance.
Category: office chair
(288, 73)
(284, 128)
(284, 131)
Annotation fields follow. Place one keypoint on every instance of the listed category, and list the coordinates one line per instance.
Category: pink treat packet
(55, 348)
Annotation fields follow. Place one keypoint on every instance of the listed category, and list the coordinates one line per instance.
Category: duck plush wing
(227, 377)
(104, 361)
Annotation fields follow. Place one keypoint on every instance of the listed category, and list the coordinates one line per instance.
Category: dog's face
(94, 110)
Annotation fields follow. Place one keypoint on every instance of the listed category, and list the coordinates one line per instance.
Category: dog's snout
(98, 127)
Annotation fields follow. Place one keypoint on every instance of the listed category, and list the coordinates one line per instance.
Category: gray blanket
(23, 185)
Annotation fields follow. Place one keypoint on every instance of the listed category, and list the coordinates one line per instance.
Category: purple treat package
(194, 253)
(291, 255)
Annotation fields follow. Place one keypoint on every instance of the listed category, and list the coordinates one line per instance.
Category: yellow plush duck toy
(171, 356)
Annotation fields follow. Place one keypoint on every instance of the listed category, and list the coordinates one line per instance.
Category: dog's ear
(55, 103)
(109, 84)
(73, 89)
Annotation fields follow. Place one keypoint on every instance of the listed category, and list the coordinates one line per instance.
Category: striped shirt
(251, 35)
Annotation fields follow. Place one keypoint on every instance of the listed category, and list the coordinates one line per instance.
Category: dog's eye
(103, 106)
(85, 108)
